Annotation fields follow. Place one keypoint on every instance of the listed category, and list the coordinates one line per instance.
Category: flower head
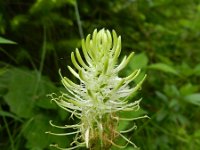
(100, 94)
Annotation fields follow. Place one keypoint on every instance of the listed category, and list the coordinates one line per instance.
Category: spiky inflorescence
(101, 93)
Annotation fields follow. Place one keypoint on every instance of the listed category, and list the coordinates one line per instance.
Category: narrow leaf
(163, 67)
(193, 98)
(6, 41)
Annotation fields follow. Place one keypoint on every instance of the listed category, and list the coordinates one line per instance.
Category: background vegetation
(165, 35)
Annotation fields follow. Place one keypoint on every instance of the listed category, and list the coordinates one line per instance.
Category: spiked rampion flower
(101, 93)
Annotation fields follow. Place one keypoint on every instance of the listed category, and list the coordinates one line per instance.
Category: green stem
(9, 134)
(78, 20)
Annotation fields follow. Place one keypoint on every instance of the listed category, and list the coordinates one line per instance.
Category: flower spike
(100, 95)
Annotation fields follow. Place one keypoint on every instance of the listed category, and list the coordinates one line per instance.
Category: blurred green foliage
(37, 37)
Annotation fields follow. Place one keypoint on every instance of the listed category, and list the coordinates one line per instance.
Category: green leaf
(34, 132)
(3, 70)
(197, 69)
(6, 41)
(138, 61)
(21, 96)
(46, 87)
(188, 89)
(161, 115)
(163, 67)
(193, 98)
(8, 114)
(162, 96)
(26, 91)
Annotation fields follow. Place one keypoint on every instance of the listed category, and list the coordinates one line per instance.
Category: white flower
(101, 93)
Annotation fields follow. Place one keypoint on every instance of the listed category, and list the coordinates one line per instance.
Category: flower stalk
(100, 95)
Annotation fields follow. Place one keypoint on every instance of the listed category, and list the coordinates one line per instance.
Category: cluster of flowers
(101, 93)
